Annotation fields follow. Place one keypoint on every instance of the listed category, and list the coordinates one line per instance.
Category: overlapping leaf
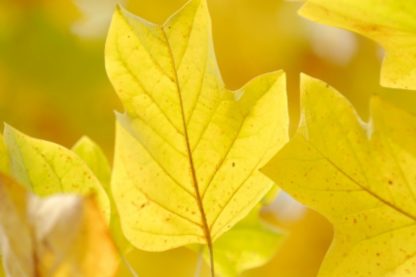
(187, 149)
(56, 236)
(249, 244)
(360, 175)
(47, 168)
(392, 23)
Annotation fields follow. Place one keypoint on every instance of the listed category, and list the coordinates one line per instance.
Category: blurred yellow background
(53, 86)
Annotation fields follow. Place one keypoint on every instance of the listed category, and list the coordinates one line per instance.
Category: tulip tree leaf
(55, 236)
(47, 168)
(187, 150)
(392, 23)
(361, 176)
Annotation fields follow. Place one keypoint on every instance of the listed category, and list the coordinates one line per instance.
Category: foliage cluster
(195, 162)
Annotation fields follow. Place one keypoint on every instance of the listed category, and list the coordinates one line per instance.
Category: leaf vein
(137, 79)
(369, 191)
(163, 168)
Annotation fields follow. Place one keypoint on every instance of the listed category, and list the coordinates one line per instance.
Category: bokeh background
(53, 86)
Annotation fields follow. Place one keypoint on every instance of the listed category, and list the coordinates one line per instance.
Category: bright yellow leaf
(47, 168)
(56, 236)
(361, 176)
(392, 23)
(187, 150)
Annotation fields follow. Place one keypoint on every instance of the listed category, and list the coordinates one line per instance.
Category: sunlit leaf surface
(360, 176)
(187, 149)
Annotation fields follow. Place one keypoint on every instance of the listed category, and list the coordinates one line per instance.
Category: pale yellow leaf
(361, 176)
(392, 23)
(187, 150)
(47, 168)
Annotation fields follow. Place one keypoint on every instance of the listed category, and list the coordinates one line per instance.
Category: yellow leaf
(187, 150)
(94, 157)
(47, 168)
(392, 23)
(56, 236)
(361, 176)
(249, 244)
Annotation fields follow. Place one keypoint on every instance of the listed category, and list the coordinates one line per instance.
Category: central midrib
(198, 198)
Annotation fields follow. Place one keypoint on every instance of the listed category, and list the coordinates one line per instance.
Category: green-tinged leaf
(361, 176)
(56, 236)
(392, 23)
(4, 160)
(249, 244)
(47, 168)
(95, 158)
(187, 150)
